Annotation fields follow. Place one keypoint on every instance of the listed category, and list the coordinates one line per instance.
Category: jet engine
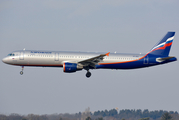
(72, 67)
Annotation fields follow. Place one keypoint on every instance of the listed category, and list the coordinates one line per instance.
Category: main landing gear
(21, 72)
(88, 74)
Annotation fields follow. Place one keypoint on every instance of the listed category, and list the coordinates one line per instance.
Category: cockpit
(11, 58)
(11, 54)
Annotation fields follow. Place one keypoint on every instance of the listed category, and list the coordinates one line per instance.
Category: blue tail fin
(163, 46)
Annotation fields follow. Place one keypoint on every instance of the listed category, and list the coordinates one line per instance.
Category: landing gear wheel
(21, 72)
(88, 74)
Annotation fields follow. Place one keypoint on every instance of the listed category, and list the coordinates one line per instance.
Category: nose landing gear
(21, 72)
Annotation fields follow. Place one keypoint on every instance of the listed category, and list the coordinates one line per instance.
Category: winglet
(107, 54)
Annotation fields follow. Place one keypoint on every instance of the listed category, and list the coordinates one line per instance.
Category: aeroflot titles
(41, 52)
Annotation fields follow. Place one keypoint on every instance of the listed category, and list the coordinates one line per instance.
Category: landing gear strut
(21, 72)
(88, 74)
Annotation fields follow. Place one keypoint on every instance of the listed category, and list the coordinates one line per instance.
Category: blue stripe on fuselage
(136, 64)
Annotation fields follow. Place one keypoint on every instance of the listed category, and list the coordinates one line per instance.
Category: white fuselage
(75, 61)
(57, 58)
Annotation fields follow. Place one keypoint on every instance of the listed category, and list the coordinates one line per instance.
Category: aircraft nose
(4, 60)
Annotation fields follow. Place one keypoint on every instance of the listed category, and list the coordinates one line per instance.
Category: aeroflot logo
(41, 52)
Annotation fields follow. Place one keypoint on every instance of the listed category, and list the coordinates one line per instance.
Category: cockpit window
(11, 54)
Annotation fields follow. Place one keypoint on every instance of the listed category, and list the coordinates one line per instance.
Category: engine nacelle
(71, 67)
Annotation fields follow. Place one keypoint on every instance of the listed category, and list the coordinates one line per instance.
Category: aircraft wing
(94, 60)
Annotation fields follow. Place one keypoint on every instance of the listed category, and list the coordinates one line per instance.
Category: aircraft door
(21, 57)
(146, 60)
(56, 56)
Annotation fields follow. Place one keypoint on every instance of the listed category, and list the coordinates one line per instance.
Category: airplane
(76, 61)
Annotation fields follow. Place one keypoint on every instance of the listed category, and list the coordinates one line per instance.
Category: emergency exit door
(56, 56)
(21, 57)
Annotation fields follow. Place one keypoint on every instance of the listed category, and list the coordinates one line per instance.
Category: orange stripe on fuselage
(161, 48)
(121, 62)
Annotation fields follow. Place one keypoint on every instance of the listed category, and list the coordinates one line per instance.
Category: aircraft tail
(163, 46)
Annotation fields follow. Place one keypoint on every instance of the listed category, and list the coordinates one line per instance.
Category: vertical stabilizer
(163, 46)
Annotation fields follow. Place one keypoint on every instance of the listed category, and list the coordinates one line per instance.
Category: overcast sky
(125, 26)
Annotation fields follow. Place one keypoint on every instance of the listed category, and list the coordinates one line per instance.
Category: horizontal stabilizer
(164, 59)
